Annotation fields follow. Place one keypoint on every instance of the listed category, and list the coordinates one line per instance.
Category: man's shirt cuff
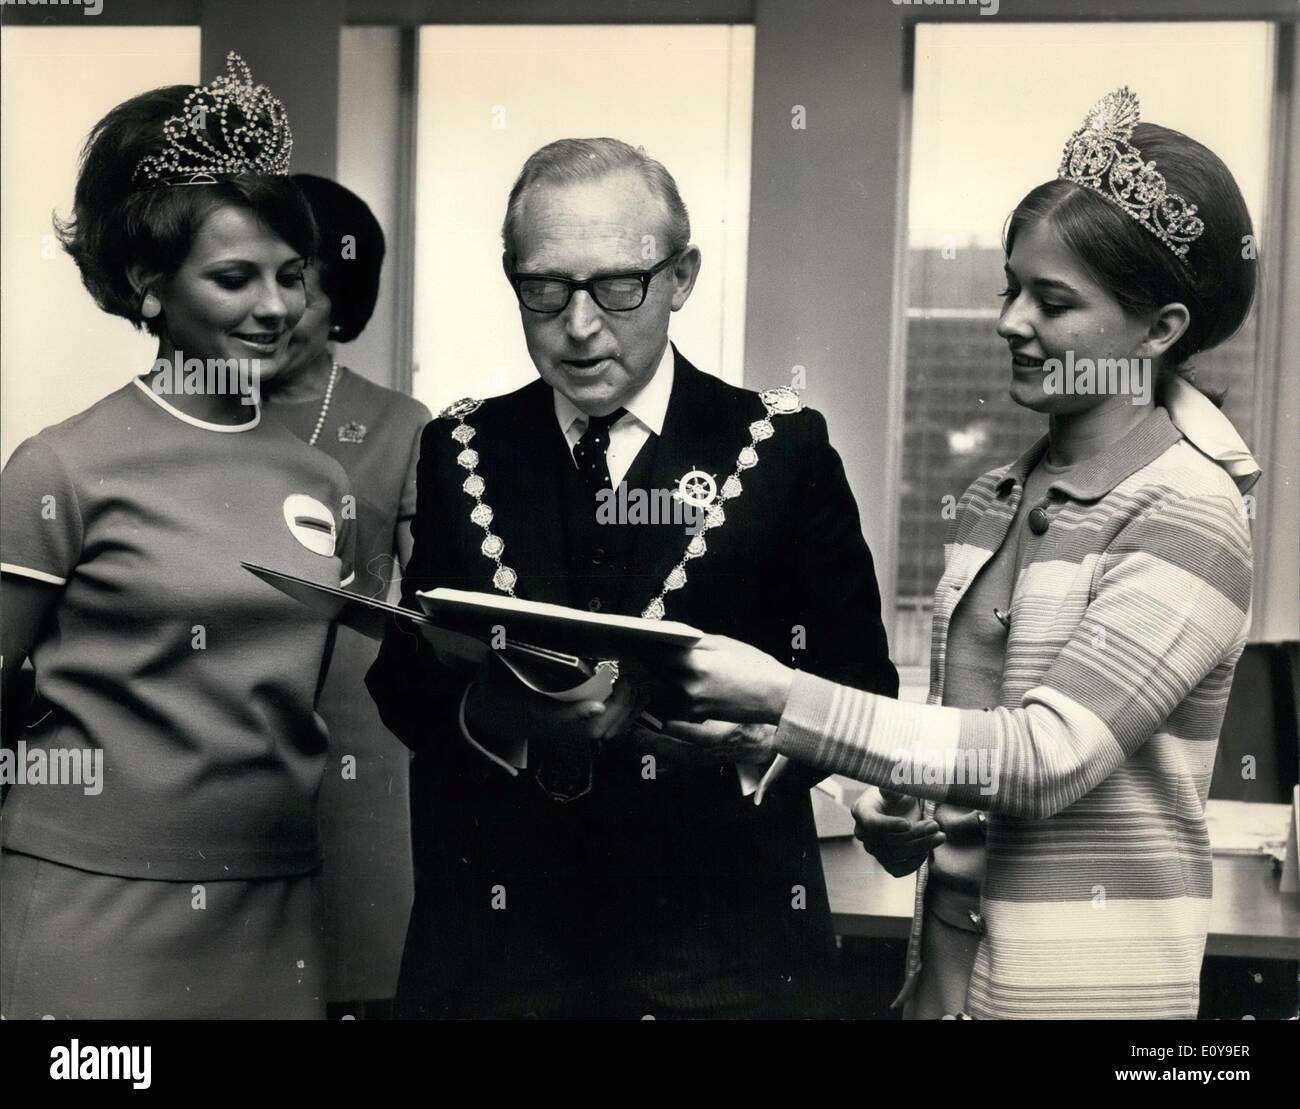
(753, 781)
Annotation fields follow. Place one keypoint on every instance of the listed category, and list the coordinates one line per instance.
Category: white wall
(490, 96)
(1213, 81)
(59, 352)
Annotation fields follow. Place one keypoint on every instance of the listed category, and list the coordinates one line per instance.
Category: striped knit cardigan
(1127, 620)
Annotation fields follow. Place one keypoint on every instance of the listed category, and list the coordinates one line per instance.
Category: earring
(337, 329)
(150, 307)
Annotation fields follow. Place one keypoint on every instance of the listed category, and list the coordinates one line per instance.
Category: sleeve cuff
(516, 758)
(35, 575)
(892, 743)
(804, 724)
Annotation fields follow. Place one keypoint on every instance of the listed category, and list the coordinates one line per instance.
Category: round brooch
(352, 432)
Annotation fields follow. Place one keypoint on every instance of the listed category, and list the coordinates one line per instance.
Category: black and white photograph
(649, 510)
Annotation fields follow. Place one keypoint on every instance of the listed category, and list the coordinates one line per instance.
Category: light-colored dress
(184, 885)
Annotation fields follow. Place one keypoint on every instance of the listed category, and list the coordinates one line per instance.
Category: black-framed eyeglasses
(614, 292)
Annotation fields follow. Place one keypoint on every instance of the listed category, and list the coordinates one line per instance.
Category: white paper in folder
(565, 677)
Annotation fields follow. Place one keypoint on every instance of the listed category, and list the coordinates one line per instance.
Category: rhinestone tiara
(1100, 157)
(226, 128)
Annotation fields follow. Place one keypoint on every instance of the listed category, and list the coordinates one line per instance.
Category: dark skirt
(365, 829)
(78, 945)
(950, 941)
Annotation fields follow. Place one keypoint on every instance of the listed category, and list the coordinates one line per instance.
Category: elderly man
(568, 862)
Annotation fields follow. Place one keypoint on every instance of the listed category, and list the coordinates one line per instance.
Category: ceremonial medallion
(460, 409)
(781, 401)
(696, 488)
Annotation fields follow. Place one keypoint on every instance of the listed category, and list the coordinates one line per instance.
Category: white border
(195, 421)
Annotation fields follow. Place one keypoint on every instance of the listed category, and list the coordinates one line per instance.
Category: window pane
(60, 353)
(491, 95)
(992, 108)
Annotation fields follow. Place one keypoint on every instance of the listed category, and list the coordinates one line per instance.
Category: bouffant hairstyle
(1216, 281)
(118, 222)
(350, 253)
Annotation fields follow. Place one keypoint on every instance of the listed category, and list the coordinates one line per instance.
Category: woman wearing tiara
(177, 875)
(1093, 606)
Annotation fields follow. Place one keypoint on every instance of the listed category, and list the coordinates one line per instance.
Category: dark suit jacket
(666, 895)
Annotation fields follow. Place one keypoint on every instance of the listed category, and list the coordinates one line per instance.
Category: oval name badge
(311, 523)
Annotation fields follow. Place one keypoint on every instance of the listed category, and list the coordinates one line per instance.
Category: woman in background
(374, 433)
(176, 875)
(1093, 606)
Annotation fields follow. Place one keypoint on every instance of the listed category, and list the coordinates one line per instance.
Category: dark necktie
(564, 771)
(589, 453)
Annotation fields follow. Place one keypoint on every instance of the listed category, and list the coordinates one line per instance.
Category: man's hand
(501, 710)
(714, 741)
(891, 832)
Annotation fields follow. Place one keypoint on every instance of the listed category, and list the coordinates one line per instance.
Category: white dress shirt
(645, 412)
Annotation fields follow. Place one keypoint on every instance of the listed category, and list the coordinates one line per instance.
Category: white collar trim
(185, 417)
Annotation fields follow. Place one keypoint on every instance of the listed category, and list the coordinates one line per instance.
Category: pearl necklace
(325, 405)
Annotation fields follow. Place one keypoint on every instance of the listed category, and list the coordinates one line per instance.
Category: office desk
(1248, 917)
